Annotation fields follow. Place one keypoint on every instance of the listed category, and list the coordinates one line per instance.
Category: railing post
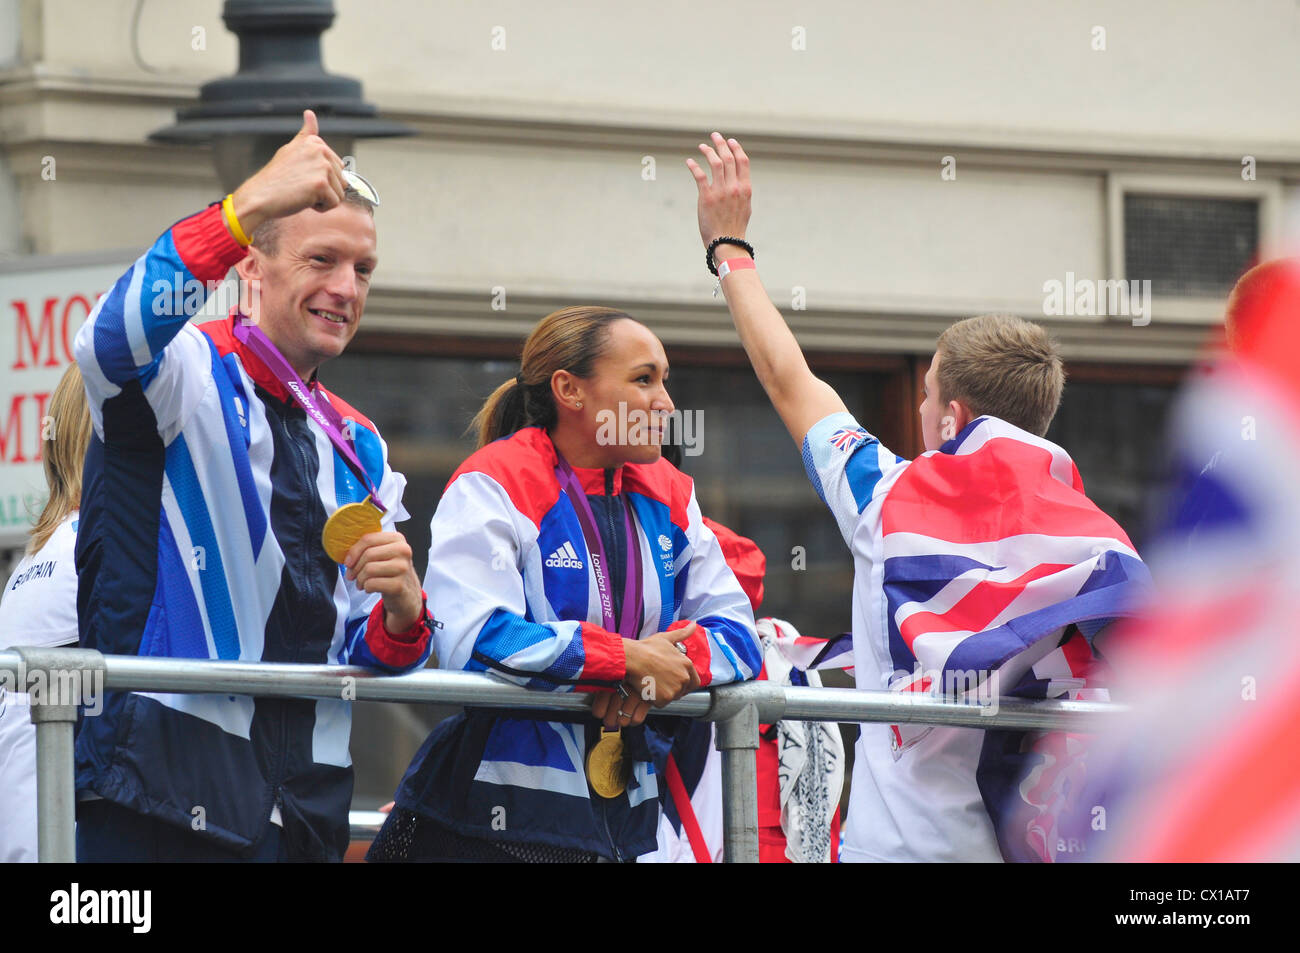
(56, 815)
(58, 681)
(738, 742)
(738, 710)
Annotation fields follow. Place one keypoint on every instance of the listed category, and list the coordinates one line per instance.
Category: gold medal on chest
(606, 767)
(347, 525)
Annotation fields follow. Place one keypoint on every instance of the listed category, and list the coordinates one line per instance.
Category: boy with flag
(980, 567)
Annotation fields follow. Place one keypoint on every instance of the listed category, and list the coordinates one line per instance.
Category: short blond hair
(1002, 366)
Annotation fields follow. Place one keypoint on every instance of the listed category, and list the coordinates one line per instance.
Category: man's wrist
(398, 622)
(247, 209)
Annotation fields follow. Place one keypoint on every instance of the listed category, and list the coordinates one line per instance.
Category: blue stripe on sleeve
(863, 471)
(505, 634)
(162, 313)
(810, 467)
(112, 349)
(570, 661)
(731, 637)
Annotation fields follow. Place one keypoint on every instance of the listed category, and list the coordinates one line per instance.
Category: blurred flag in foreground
(1211, 757)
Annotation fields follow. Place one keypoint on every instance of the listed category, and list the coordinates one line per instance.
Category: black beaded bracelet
(725, 240)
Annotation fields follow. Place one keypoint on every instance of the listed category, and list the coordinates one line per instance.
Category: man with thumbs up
(216, 463)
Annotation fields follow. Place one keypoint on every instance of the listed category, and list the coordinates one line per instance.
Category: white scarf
(810, 756)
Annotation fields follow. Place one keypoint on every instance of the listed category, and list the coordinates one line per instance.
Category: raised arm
(799, 396)
(134, 336)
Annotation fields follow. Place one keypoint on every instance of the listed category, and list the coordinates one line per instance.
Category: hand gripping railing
(61, 679)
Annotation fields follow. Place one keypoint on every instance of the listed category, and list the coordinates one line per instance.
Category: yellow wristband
(232, 223)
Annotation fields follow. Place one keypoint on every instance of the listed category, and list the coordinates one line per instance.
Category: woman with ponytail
(39, 606)
(568, 556)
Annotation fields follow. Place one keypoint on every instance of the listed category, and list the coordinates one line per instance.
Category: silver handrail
(61, 679)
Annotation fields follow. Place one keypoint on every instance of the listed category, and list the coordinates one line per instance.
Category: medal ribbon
(318, 410)
(629, 625)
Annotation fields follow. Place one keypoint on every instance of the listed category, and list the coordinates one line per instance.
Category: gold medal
(606, 769)
(347, 525)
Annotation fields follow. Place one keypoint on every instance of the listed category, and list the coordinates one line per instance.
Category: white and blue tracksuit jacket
(205, 491)
(511, 583)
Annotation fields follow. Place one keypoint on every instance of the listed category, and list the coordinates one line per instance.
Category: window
(1186, 246)
(1190, 237)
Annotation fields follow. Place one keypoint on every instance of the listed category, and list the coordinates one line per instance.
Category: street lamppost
(246, 117)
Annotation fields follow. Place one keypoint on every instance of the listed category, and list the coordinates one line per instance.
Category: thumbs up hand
(304, 173)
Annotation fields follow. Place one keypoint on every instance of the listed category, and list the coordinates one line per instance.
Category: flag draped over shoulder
(998, 572)
(990, 546)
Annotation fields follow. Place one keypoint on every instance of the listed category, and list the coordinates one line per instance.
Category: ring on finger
(624, 714)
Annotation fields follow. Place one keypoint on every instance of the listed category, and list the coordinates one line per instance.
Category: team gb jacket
(205, 491)
(510, 576)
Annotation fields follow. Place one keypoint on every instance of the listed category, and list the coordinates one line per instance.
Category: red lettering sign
(45, 334)
(11, 435)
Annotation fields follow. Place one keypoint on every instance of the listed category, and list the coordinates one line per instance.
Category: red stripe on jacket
(524, 463)
(697, 650)
(605, 657)
(398, 649)
(206, 245)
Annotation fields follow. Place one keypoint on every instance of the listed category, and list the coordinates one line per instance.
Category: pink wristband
(735, 264)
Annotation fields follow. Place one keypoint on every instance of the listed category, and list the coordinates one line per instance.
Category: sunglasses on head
(361, 185)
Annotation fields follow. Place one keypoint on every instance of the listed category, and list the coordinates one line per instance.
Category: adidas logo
(564, 558)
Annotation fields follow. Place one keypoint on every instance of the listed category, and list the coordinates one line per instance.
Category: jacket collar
(591, 479)
(222, 334)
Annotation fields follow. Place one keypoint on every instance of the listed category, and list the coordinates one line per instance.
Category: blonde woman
(39, 606)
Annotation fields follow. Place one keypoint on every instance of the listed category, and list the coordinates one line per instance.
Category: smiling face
(312, 291)
(625, 400)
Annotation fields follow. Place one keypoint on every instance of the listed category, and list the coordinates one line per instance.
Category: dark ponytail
(571, 339)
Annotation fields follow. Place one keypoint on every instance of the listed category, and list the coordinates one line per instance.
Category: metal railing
(737, 709)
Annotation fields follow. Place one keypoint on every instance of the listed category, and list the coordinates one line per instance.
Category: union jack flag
(846, 440)
(998, 567)
(993, 546)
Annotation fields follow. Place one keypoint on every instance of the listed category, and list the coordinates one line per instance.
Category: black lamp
(248, 116)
